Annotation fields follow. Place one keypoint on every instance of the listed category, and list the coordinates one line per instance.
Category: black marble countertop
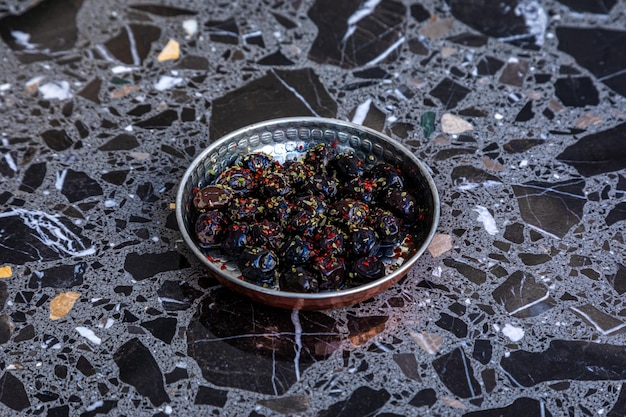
(517, 106)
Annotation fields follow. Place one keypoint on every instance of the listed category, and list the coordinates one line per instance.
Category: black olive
(273, 184)
(402, 204)
(388, 228)
(298, 279)
(256, 162)
(322, 185)
(350, 212)
(209, 228)
(331, 240)
(212, 197)
(278, 209)
(364, 189)
(347, 167)
(306, 222)
(319, 156)
(363, 243)
(331, 270)
(235, 239)
(312, 202)
(267, 234)
(245, 209)
(387, 176)
(367, 269)
(240, 180)
(296, 251)
(297, 173)
(258, 265)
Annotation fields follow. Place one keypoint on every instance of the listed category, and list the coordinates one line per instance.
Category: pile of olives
(321, 223)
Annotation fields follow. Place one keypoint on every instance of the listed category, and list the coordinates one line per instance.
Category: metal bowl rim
(402, 270)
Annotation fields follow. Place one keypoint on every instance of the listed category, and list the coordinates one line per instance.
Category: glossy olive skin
(296, 251)
(387, 176)
(331, 270)
(347, 167)
(299, 279)
(367, 269)
(388, 228)
(212, 197)
(237, 179)
(267, 234)
(258, 265)
(235, 239)
(256, 162)
(402, 204)
(363, 242)
(209, 229)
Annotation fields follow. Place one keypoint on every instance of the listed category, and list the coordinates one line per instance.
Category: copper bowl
(287, 138)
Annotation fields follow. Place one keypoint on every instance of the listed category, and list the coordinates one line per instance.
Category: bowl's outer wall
(290, 138)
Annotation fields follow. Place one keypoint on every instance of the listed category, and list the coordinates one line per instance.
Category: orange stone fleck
(62, 304)
(6, 271)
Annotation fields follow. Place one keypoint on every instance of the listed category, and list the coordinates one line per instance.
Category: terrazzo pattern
(517, 106)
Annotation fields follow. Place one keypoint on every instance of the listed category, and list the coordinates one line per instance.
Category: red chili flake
(210, 258)
(223, 267)
(335, 143)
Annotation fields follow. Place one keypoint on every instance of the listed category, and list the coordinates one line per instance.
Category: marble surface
(517, 106)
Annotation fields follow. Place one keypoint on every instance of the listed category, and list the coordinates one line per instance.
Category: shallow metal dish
(288, 138)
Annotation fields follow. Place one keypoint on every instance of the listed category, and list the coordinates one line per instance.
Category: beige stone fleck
(62, 304)
(124, 91)
(436, 28)
(441, 140)
(430, 342)
(170, 52)
(440, 244)
(447, 52)
(454, 125)
(492, 164)
(140, 156)
(555, 106)
(172, 206)
(533, 95)
(452, 402)
(32, 85)
(587, 120)
(6, 271)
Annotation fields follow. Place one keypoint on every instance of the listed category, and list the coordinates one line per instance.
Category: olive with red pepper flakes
(245, 209)
(332, 272)
(256, 162)
(322, 223)
(267, 234)
(299, 279)
(258, 265)
(347, 167)
(235, 239)
(350, 213)
(212, 197)
(387, 176)
(331, 239)
(363, 242)
(296, 251)
(209, 228)
(238, 179)
(366, 270)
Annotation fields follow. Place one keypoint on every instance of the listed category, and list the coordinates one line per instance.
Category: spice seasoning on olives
(212, 197)
(323, 223)
(209, 228)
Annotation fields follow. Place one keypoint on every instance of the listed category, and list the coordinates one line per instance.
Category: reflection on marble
(516, 106)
